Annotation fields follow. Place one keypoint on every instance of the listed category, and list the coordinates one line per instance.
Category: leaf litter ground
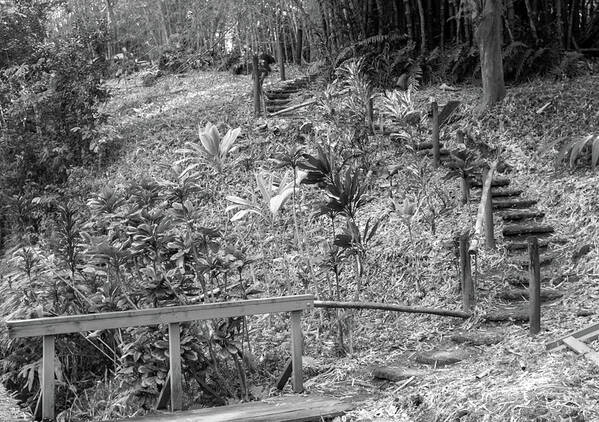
(515, 379)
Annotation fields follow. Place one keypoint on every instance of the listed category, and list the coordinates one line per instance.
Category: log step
(281, 101)
(503, 194)
(516, 295)
(522, 246)
(520, 230)
(506, 192)
(275, 95)
(514, 203)
(426, 145)
(521, 215)
(429, 152)
(524, 263)
(496, 183)
(518, 314)
(521, 280)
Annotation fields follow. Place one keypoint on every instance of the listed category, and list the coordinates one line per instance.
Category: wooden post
(489, 227)
(174, 351)
(465, 181)
(436, 147)
(296, 351)
(466, 272)
(257, 87)
(465, 190)
(281, 56)
(534, 285)
(48, 378)
(370, 114)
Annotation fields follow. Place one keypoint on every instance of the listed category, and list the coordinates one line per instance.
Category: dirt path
(9, 409)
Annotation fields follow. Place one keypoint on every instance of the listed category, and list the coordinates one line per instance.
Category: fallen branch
(390, 307)
(480, 218)
(305, 104)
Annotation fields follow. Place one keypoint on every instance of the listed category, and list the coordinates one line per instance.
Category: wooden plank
(582, 349)
(588, 333)
(534, 286)
(48, 378)
(153, 316)
(297, 380)
(285, 409)
(174, 351)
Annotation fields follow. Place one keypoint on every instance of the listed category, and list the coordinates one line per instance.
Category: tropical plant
(212, 148)
(268, 205)
(574, 150)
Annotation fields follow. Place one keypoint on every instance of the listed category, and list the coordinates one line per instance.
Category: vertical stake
(489, 227)
(174, 351)
(281, 55)
(296, 351)
(257, 87)
(48, 378)
(436, 147)
(534, 292)
(466, 273)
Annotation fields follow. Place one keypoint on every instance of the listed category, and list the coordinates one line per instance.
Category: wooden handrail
(152, 316)
(48, 328)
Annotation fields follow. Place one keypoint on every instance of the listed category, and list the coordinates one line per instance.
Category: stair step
(497, 182)
(544, 260)
(512, 314)
(521, 215)
(275, 102)
(523, 246)
(429, 152)
(500, 195)
(521, 230)
(513, 203)
(276, 95)
(521, 280)
(426, 145)
(516, 295)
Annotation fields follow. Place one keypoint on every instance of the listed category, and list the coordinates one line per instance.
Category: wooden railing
(48, 328)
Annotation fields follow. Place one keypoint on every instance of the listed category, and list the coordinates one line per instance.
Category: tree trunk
(300, 45)
(442, 19)
(489, 41)
(380, 11)
(559, 23)
(113, 28)
(422, 27)
(531, 20)
(408, 13)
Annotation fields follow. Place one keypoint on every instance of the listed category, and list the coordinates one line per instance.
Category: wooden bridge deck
(283, 409)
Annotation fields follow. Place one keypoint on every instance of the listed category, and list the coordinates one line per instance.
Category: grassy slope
(514, 380)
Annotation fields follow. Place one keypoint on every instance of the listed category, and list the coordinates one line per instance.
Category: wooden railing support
(466, 273)
(435, 140)
(48, 378)
(174, 349)
(297, 351)
(534, 285)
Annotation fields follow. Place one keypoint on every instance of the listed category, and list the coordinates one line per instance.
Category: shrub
(50, 109)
